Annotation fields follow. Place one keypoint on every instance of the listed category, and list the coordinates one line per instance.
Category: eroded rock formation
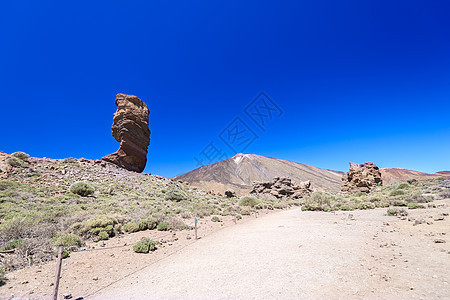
(361, 178)
(130, 128)
(282, 187)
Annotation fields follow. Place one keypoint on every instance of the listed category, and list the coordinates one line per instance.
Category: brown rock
(230, 193)
(4, 167)
(130, 128)
(361, 178)
(282, 187)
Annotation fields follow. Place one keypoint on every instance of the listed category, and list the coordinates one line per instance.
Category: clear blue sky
(356, 80)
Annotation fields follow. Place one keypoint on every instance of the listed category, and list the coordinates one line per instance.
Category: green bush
(21, 155)
(397, 192)
(163, 226)
(176, 195)
(103, 235)
(82, 188)
(245, 212)
(96, 225)
(11, 245)
(413, 205)
(248, 201)
(215, 219)
(7, 184)
(359, 194)
(145, 246)
(412, 181)
(149, 223)
(2, 275)
(131, 227)
(312, 207)
(403, 185)
(15, 162)
(397, 212)
(67, 240)
(366, 205)
(398, 203)
(391, 212)
(238, 217)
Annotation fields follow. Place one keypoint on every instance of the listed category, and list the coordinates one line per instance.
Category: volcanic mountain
(239, 172)
(393, 175)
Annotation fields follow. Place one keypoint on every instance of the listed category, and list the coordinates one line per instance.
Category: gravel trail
(297, 255)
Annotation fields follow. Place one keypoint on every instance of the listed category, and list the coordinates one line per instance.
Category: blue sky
(355, 80)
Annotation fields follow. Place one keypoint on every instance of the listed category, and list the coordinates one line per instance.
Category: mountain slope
(393, 175)
(240, 171)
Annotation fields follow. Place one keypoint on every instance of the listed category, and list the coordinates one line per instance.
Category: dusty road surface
(305, 255)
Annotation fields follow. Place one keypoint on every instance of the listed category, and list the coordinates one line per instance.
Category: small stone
(95, 278)
(188, 237)
(440, 218)
(67, 296)
(25, 282)
(439, 241)
(445, 214)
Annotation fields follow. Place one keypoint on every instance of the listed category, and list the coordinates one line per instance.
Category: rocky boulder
(130, 128)
(282, 187)
(361, 178)
(230, 194)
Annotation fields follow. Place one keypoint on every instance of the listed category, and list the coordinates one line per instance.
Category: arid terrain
(129, 235)
(288, 254)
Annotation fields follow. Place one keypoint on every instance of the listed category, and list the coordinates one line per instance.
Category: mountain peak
(239, 157)
(240, 171)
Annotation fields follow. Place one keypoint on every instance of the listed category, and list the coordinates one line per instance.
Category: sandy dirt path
(303, 255)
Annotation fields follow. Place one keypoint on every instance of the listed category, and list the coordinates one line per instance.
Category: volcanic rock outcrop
(282, 187)
(361, 178)
(130, 128)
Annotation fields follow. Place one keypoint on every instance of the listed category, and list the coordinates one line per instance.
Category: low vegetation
(413, 194)
(248, 201)
(145, 246)
(82, 188)
(68, 202)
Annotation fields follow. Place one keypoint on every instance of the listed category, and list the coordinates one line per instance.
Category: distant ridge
(239, 172)
(393, 175)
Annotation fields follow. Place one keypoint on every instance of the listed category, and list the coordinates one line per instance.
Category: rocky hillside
(239, 172)
(45, 203)
(394, 175)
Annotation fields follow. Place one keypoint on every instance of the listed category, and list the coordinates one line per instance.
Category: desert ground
(287, 254)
